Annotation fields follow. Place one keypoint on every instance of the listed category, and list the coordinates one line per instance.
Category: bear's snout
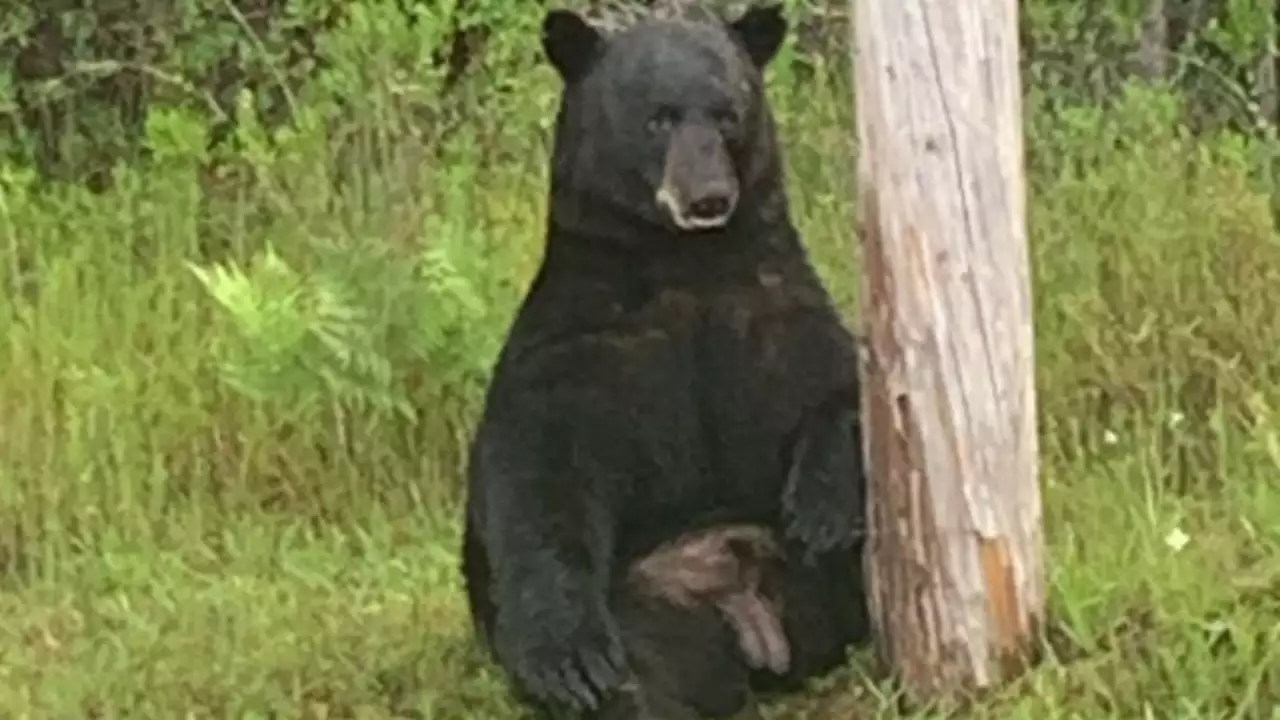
(699, 189)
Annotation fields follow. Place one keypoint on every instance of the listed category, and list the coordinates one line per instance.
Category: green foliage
(1174, 281)
(236, 380)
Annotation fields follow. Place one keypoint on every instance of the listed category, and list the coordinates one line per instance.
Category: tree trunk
(1153, 50)
(1266, 84)
(955, 562)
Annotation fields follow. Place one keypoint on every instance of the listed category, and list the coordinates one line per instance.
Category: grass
(234, 406)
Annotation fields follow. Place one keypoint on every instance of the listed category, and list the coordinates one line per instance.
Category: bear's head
(663, 126)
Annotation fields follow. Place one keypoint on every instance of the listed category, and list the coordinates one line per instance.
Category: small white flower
(1176, 539)
(1176, 418)
(1110, 438)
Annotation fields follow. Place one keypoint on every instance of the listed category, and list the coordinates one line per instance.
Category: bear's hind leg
(694, 621)
(822, 604)
(685, 662)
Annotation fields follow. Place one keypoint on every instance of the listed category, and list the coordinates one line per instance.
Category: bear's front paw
(569, 654)
(825, 497)
(822, 524)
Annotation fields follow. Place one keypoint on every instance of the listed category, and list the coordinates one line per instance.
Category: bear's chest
(721, 381)
(747, 359)
(738, 363)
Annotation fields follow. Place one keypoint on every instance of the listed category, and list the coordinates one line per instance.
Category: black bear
(676, 365)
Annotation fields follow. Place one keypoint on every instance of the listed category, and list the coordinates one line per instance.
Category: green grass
(234, 406)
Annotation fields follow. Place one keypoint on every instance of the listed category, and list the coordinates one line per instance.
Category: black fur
(659, 379)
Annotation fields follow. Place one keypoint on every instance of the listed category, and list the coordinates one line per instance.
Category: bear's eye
(663, 120)
(727, 120)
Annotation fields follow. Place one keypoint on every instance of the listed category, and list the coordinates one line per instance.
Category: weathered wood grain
(955, 560)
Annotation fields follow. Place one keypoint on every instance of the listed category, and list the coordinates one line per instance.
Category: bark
(955, 562)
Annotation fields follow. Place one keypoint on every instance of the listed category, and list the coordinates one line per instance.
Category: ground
(317, 626)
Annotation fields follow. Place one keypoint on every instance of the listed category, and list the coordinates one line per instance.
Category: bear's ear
(569, 42)
(761, 30)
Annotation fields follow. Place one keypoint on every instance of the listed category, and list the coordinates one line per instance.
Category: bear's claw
(577, 661)
(825, 498)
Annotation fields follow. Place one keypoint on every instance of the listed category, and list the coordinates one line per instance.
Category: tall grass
(233, 402)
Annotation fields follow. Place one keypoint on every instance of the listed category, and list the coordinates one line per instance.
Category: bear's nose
(711, 207)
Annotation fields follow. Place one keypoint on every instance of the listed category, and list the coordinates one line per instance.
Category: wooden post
(955, 561)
